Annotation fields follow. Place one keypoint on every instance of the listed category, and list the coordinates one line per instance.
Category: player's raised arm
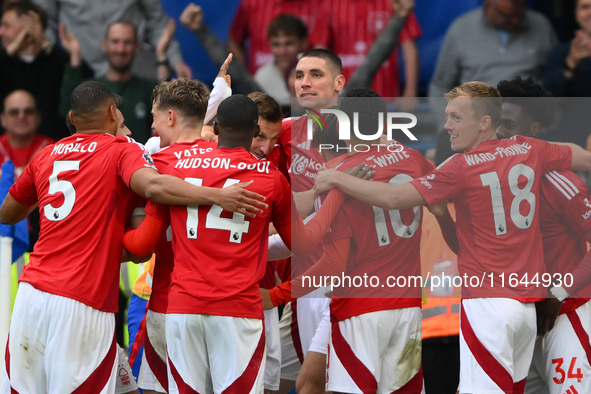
(12, 212)
(581, 157)
(170, 190)
(378, 194)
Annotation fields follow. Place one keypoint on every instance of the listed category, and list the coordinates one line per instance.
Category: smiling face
(160, 125)
(120, 45)
(315, 81)
(462, 124)
(263, 144)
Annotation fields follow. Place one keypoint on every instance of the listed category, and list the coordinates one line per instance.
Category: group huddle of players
(208, 209)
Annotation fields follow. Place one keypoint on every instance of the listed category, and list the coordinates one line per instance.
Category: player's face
(263, 144)
(285, 49)
(462, 124)
(160, 125)
(120, 46)
(313, 82)
(504, 14)
(20, 117)
(10, 26)
(514, 121)
(583, 15)
(121, 127)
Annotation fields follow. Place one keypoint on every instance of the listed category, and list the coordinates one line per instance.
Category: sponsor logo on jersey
(301, 164)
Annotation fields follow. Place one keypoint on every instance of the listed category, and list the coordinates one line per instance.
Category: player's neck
(189, 134)
(485, 136)
(233, 144)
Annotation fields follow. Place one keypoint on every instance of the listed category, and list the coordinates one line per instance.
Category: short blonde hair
(188, 97)
(489, 99)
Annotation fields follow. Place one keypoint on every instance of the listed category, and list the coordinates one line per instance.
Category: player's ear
(112, 114)
(71, 118)
(257, 131)
(216, 128)
(171, 118)
(339, 82)
(485, 122)
(535, 128)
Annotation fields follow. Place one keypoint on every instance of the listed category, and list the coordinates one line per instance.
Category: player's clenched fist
(192, 17)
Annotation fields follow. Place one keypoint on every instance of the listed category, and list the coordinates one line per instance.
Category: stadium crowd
(138, 281)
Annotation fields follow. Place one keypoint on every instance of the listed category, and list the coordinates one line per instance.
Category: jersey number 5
(236, 225)
(491, 179)
(60, 186)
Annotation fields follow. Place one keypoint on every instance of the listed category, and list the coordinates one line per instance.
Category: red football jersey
(219, 256)
(350, 28)
(253, 18)
(164, 262)
(565, 214)
(304, 161)
(383, 243)
(81, 184)
(495, 188)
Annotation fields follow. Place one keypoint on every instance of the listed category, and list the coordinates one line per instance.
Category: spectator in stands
(252, 20)
(350, 27)
(20, 142)
(120, 46)
(287, 37)
(29, 61)
(500, 40)
(568, 71)
(87, 19)
(569, 75)
(20, 121)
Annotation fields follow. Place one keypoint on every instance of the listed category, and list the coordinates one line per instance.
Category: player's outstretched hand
(546, 313)
(267, 303)
(224, 70)
(237, 199)
(192, 17)
(362, 171)
(322, 183)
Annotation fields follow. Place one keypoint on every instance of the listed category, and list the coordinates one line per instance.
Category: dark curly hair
(536, 101)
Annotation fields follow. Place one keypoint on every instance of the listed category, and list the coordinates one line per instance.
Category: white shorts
(153, 374)
(497, 338)
(125, 382)
(273, 365)
(377, 352)
(297, 330)
(59, 345)
(214, 354)
(322, 335)
(561, 358)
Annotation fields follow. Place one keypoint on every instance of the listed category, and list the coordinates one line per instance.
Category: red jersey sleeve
(24, 190)
(411, 30)
(441, 183)
(239, 28)
(554, 156)
(570, 198)
(339, 229)
(281, 214)
(159, 211)
(133, 157)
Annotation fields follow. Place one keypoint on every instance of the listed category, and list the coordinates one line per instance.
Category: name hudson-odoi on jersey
(225, 163)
